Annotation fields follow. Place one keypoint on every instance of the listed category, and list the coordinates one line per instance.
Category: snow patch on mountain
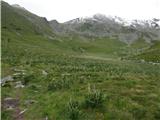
(125, 22)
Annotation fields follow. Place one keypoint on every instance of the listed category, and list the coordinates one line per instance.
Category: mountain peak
(99, 15)
(18, 6)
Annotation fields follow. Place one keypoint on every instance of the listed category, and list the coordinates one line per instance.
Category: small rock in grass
(6, 79)
(22, 111)
(19, 84)
(44, 72)
(10, 103)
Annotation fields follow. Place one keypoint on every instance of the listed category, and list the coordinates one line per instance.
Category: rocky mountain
(114, 27)
(97, 25)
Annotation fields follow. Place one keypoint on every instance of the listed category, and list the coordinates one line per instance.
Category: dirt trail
(14, 105)
(98, 58)
(17, 113)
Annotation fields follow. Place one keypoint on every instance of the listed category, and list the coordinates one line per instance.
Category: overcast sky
(64, 10)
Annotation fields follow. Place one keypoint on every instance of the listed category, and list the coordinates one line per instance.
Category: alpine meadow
(89, 68)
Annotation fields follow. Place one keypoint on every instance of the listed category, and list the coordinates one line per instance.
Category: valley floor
(92, 88)
(78, 79)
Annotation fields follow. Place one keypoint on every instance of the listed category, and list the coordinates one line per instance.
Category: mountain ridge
(101, 25)
(98, 25)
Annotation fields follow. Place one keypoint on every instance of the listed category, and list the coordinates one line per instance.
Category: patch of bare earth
(12, 104)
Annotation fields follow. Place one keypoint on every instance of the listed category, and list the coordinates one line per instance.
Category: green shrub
(73, 110)
(157, 114)
(139, 112)
(6, 115)
(94, 98)
(27, 78)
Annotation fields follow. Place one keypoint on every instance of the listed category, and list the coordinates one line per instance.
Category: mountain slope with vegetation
(152, 54)
(54, 76)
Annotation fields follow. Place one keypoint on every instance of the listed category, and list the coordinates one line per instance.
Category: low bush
(28, 78)
(73, 110)
(94, 98)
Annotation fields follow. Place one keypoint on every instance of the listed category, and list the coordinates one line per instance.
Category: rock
(15, 74)
(17, 70)
(8, 98)
(9, 108)
(44, 72)
(19, 84)
(46, 118)
(22, 111)
(142, 60)
(5, 79)
(19, 73)
(10, 103)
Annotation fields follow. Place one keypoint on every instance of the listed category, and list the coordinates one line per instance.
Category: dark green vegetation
(152, 54)
(75, 79)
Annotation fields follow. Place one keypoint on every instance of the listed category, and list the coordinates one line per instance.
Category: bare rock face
(102, 26)
(6, 79)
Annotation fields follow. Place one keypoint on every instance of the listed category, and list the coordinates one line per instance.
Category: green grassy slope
(151, 54)
(13, 20)
(20, 36)
(40, 23)
(131, 90)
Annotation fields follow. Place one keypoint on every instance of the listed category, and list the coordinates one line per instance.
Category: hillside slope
(22, 21)
(152, 54)
(24, 30)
